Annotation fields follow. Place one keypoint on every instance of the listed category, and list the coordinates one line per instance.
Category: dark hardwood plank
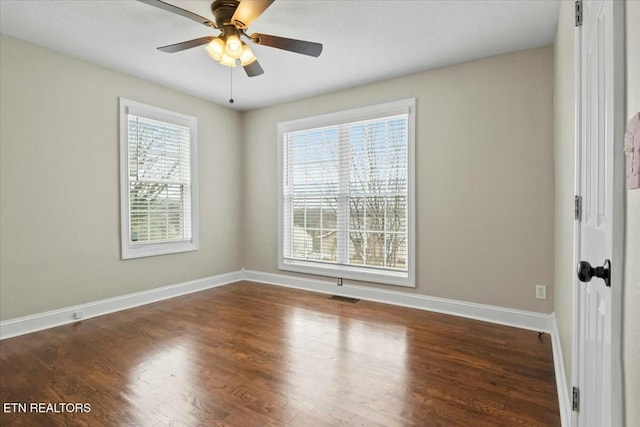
(258, 355)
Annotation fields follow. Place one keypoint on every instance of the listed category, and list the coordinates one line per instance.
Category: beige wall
(564, 153)
(484, 170)
(631, 298)
(484, 129)
(60, 238)
(59, 218)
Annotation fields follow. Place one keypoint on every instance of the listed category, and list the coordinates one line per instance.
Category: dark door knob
(586, 272)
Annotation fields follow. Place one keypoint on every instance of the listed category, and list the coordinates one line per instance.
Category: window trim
(365, 274)
(129, 251)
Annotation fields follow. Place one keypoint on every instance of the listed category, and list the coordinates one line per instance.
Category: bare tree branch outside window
(372, 158)
(157, 189)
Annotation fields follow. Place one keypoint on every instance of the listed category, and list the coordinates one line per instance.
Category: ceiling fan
(232, 18)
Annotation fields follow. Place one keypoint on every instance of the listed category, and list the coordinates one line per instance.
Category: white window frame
(130, 250)
(366, 274)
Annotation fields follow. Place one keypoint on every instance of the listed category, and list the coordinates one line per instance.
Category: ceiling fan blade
(179, 11)
(253, 69)
(177, 47)
(248, 11)
(292, 45)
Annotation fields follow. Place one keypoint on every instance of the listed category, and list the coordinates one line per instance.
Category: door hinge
(575, 401)
(577, 204)
(578, 4)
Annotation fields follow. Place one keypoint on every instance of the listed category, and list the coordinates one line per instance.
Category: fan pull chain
(230, 85)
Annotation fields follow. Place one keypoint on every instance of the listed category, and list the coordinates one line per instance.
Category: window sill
(147, 250)
(396, 278)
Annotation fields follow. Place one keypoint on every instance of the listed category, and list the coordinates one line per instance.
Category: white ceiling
(364, 41)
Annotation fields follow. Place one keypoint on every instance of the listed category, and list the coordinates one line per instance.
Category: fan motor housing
(223, 10)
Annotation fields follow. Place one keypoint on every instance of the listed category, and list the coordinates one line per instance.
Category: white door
(601, 185)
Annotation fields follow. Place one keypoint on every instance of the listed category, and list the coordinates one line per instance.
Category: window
(158, 194)
(346, 194)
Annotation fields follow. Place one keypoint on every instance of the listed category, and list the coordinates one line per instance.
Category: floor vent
(344, 299)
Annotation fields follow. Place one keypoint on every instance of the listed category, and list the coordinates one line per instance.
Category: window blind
(345, 193)
(159, 180)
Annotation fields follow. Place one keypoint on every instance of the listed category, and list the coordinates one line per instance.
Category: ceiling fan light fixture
(215, 49)
(228, 60)
(247, 57)
(233, 46)
(231, 18)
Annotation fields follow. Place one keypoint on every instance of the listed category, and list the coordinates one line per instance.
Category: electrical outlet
(541, 292)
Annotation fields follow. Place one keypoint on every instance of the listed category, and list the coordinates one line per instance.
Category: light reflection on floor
(324, 351)
(160, 381)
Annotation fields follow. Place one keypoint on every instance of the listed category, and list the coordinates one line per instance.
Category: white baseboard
(50, 319)
(564, 400)
(503, 316)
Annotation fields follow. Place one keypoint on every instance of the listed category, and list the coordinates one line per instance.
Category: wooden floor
(259, 355)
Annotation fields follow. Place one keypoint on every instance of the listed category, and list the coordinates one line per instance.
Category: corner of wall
(564, 152)
(242, 133)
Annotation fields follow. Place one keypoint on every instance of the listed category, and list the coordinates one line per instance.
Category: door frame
(619, 208)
